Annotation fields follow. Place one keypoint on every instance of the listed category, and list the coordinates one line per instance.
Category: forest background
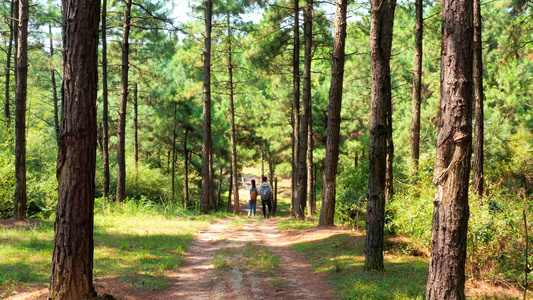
(164, 116)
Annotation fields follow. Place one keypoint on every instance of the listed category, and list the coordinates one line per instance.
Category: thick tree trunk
(7, 104)
(21, 92)
(105, 109)
(417, 85)
(380, 129)
(295, 207)
(186, 169)
(301, 187)
(207, 177)
(72, 262)
(121, 154)
(54, 85)
(327, 211)
(446, 278)
(478, 99)
(234, 166)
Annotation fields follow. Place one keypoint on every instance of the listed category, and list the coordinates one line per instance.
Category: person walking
(266, 197)
(252, 203)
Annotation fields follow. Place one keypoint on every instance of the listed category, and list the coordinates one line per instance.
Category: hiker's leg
(254, 203)
(249, 207)
(263, 203)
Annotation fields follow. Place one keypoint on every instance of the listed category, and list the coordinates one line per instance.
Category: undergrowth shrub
(352, 191)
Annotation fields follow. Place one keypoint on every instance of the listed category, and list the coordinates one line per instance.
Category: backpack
(265, 193)
(253, 194)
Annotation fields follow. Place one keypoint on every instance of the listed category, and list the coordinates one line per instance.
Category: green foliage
(352, 189)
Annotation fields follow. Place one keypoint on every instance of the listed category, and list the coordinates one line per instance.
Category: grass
(260, 259)
(341, 257)
(136, 245)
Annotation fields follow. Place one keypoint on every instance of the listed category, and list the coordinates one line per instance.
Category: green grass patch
(296, 225)
(260, 259)
(342, 258)
(224, 259)
(135, 243)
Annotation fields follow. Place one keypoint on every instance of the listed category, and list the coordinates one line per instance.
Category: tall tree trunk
(186, 169)
(229, 191)
(301, 187)
(207, 177)
(121, 155)
(380, 128)
(54, 87)
(219, 190)
(174, 135)
(21, 92)
(311, 196)
(327, 211)
(295, 207)
(7, 104)
(136, 129)
(234, 166)
(72, 262)
(417, 85)
(105, 109)
(478, 98)
(274, 183)
(446, 278)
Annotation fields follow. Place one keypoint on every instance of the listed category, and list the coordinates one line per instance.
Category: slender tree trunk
(234, 166)
(274, 183)
(21, 91)
(7, 104)
(311, 198)
(105, 109)
(327, 211)
(219, 191)
(229, 191)
(301, 187)
(174, 135)
(262, 161)
(417, 85)
(54, 85)
(186, 171)
(380, 129)
(121, 155)
(72, 262)
(478, 98)
(207, 177)
(295, 207)
(136, 129)
(446, 278)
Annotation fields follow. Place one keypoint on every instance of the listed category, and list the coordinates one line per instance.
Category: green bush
(352, 193)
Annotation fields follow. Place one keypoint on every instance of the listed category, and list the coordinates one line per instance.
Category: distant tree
(417, 84)
(105, 104)
(295, 206)
(121, 132)
(381, 27)
(207, 175)
(301, 186)
(446, 278)
(55, 97)
(307, 105)
(7, 102)
(21, 94)
(327, 211)
(478, 99)
(72, 261)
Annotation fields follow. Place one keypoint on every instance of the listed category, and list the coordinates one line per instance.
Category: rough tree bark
(21, 93)
(72, 262)
(135, 128)
(417, 85)
(105, 104)
(446, 278)
(121, 133)
(301, 187)
(478, 99)
(207, 175)
(327, 211)
(295, 207)
(186, 169)
(380, 128)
